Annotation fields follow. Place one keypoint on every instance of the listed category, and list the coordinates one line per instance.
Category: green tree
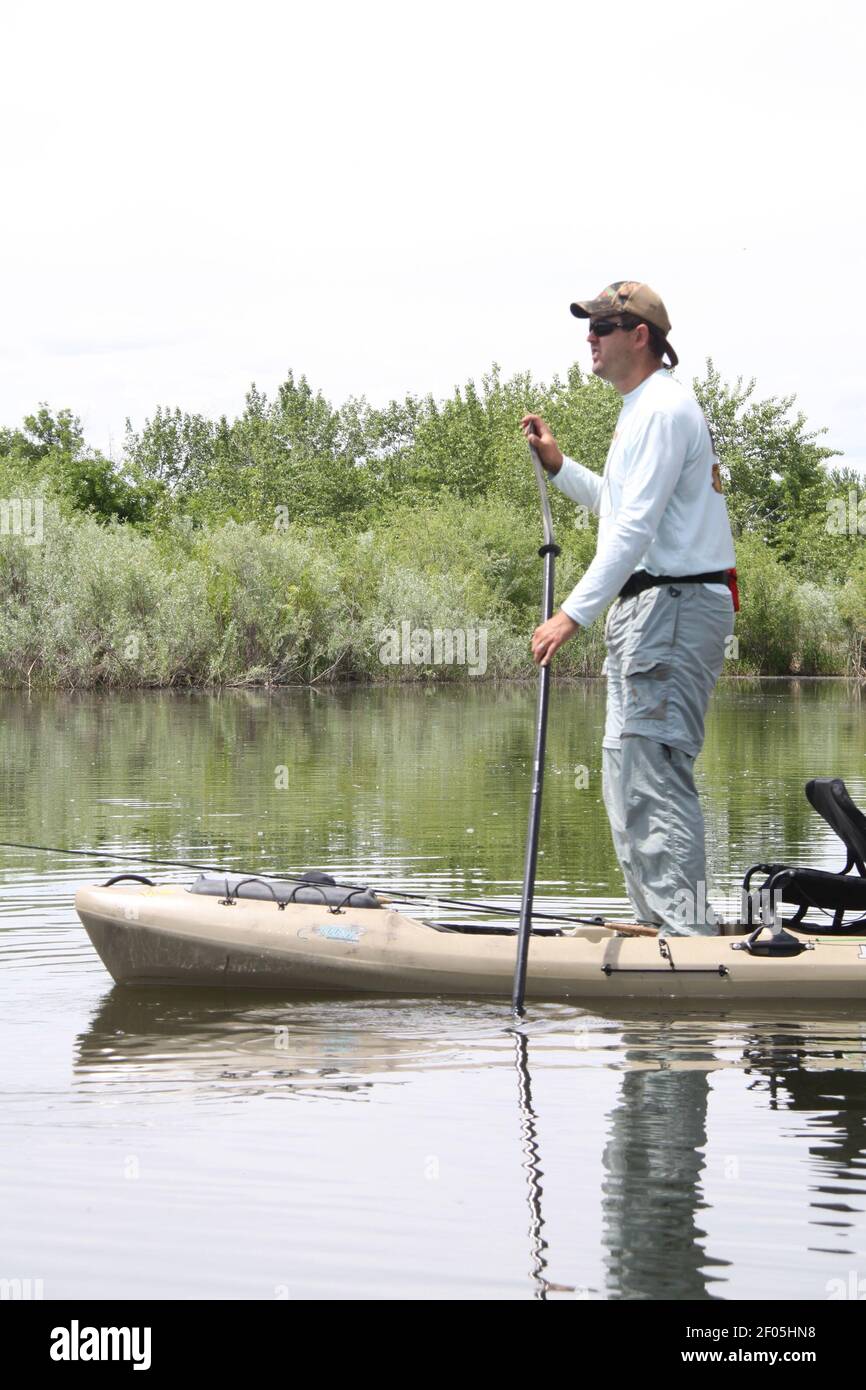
(51, 449)
(771, 463)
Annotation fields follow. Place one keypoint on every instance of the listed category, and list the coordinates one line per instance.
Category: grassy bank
(92, 604)
(306, 543)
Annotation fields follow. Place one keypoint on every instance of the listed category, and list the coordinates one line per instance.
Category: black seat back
(830, 798)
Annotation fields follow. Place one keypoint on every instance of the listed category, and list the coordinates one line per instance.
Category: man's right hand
(539, 436)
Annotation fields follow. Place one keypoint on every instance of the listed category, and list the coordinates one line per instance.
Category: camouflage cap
(629, 297)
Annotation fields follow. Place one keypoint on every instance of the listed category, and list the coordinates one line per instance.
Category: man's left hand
(550, 636)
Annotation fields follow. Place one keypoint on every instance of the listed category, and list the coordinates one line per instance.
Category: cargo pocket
(648, 663)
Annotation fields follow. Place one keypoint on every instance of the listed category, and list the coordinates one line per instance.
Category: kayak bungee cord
(548, 551)
(392, 893)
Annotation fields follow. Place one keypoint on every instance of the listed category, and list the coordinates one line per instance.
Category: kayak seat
(319, 889)
(804, 888)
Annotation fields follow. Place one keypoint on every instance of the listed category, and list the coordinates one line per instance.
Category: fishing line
(398, 893)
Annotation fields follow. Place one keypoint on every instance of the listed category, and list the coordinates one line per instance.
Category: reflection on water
(169, 1041)
(653, 1163)
(215, 1145)
(531, 1164)
(655, 1125)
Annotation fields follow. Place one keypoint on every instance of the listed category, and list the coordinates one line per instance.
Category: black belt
(640, 580)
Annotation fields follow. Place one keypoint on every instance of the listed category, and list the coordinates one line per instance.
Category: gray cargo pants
(665, 650)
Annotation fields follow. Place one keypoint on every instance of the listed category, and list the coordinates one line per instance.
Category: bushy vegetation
(281, 546)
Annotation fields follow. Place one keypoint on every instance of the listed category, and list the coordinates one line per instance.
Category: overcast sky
(389, 197)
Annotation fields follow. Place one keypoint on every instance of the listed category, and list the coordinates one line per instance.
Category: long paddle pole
(548, 552)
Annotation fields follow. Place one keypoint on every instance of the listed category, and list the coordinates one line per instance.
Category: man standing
(665, 553)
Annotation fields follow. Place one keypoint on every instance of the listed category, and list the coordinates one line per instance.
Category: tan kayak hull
(166, 935)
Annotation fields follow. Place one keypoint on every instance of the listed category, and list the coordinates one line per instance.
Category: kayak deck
(165, 935)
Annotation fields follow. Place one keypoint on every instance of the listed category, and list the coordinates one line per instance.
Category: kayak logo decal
(333, 931)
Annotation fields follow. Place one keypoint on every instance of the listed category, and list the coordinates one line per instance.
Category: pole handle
(547, 519)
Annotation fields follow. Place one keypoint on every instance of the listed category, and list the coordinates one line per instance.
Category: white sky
(388, 197)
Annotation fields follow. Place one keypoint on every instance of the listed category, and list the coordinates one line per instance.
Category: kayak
(300, 936)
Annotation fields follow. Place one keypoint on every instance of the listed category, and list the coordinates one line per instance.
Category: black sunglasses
(602, 328)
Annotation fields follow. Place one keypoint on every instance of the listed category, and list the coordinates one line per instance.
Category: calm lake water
(212, 1145)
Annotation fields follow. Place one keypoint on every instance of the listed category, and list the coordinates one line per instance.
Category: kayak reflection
(200, 1039)
(656, 1190)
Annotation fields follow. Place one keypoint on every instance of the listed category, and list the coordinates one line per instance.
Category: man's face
(612, 354)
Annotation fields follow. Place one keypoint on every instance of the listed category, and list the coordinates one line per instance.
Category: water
(170, 1145)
